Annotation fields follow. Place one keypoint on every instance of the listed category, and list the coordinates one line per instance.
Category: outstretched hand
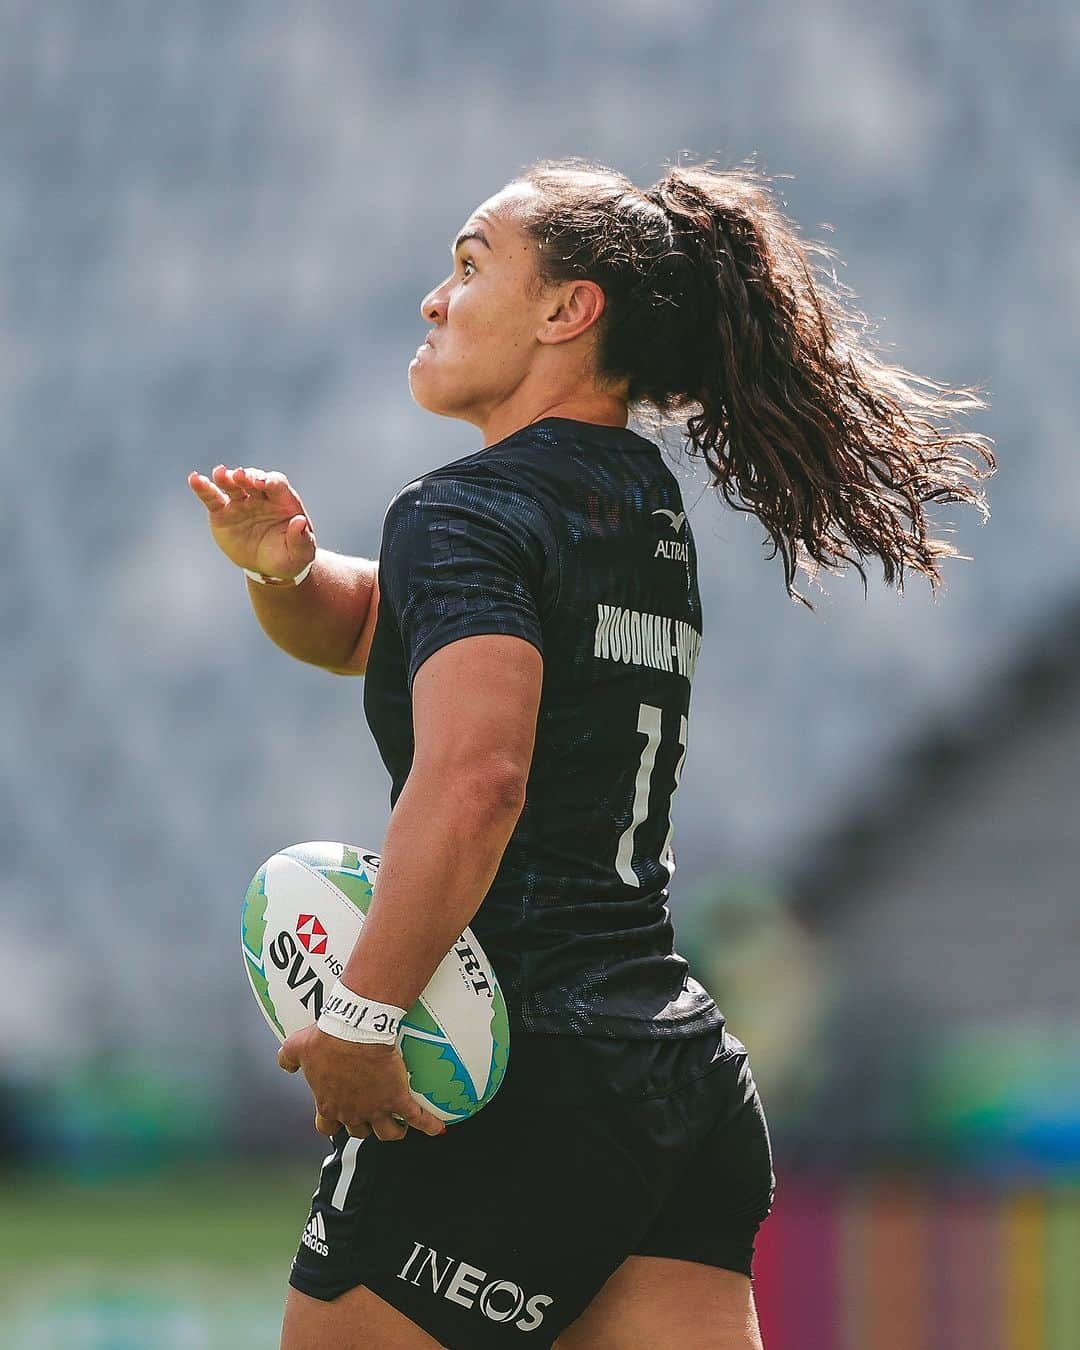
(257, 520)
(363, 1087)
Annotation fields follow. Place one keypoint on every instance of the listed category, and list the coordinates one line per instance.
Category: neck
(603, 409)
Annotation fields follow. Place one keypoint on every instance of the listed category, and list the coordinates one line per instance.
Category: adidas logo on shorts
(315, 1235)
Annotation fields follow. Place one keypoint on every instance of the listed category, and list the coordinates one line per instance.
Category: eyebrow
(466, 235)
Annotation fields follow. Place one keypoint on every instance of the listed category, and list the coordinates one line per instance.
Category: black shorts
(510, 1223)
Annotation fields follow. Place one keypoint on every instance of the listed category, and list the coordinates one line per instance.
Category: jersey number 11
(649, 727)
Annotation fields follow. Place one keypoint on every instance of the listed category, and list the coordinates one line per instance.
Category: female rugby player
(529, 636)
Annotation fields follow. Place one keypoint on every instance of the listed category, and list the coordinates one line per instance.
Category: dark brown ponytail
(714, 313)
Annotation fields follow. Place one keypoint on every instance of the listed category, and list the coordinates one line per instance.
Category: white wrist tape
(264, 580)
(350, 1017)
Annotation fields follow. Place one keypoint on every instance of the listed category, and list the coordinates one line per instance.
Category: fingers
(273, 486)
(225, 485)
(211, 496)
(388, 1128)
(241, 483)
(226, 480)
(288, 1057)
(277, 486)
(253, 482)
(419, 1119)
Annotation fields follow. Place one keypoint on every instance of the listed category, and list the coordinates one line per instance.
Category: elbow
(492, 788)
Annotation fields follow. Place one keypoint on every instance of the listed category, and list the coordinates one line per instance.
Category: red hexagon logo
(312, 934)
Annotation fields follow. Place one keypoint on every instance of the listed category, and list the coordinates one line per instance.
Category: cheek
(491, 315)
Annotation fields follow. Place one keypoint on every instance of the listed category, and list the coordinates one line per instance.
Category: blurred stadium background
(216, 223)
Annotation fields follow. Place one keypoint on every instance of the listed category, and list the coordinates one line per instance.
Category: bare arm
(475, 704)
(328, 620)
(259, 522)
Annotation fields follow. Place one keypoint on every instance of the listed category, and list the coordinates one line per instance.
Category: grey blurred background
(217, 221)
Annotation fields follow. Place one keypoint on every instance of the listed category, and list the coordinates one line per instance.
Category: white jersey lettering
(642, 639)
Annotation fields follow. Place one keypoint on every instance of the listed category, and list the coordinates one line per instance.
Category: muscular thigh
(667, 1305)
(358, 1320)
(649, 1301)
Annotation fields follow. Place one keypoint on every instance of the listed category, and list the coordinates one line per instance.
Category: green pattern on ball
(350, 858)
(253, 916)
(262, 991)
(438, 1074)
(358, 889)
(252, 935)
(500, 1046)
(420, 1019)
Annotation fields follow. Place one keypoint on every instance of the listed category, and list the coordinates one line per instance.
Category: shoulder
(500, 488)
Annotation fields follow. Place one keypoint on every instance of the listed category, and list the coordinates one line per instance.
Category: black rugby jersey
(572, 536)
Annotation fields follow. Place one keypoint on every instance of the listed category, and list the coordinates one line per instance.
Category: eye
(468, 267)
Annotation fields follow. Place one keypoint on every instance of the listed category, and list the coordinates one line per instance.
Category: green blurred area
(193, 1260)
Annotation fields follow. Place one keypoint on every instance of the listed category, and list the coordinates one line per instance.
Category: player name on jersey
(641, 639)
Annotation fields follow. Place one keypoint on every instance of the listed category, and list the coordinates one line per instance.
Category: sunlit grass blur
(192, 1261)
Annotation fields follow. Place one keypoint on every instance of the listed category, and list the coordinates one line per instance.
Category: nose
(433, 305)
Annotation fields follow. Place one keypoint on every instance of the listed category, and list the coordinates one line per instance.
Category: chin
(423, 394)
(427, 395)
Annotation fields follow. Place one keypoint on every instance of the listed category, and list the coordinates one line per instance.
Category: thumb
(288, 1057)
(299, 530)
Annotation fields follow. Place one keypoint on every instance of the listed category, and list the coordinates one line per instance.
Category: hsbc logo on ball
(302, 977)
(312, 934)
(313, 937)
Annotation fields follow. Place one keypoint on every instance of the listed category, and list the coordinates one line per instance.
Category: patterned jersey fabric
(574, 538)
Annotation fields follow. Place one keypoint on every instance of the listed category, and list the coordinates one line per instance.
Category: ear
(575, 308)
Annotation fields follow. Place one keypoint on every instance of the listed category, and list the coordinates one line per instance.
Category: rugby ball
(302, 914)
